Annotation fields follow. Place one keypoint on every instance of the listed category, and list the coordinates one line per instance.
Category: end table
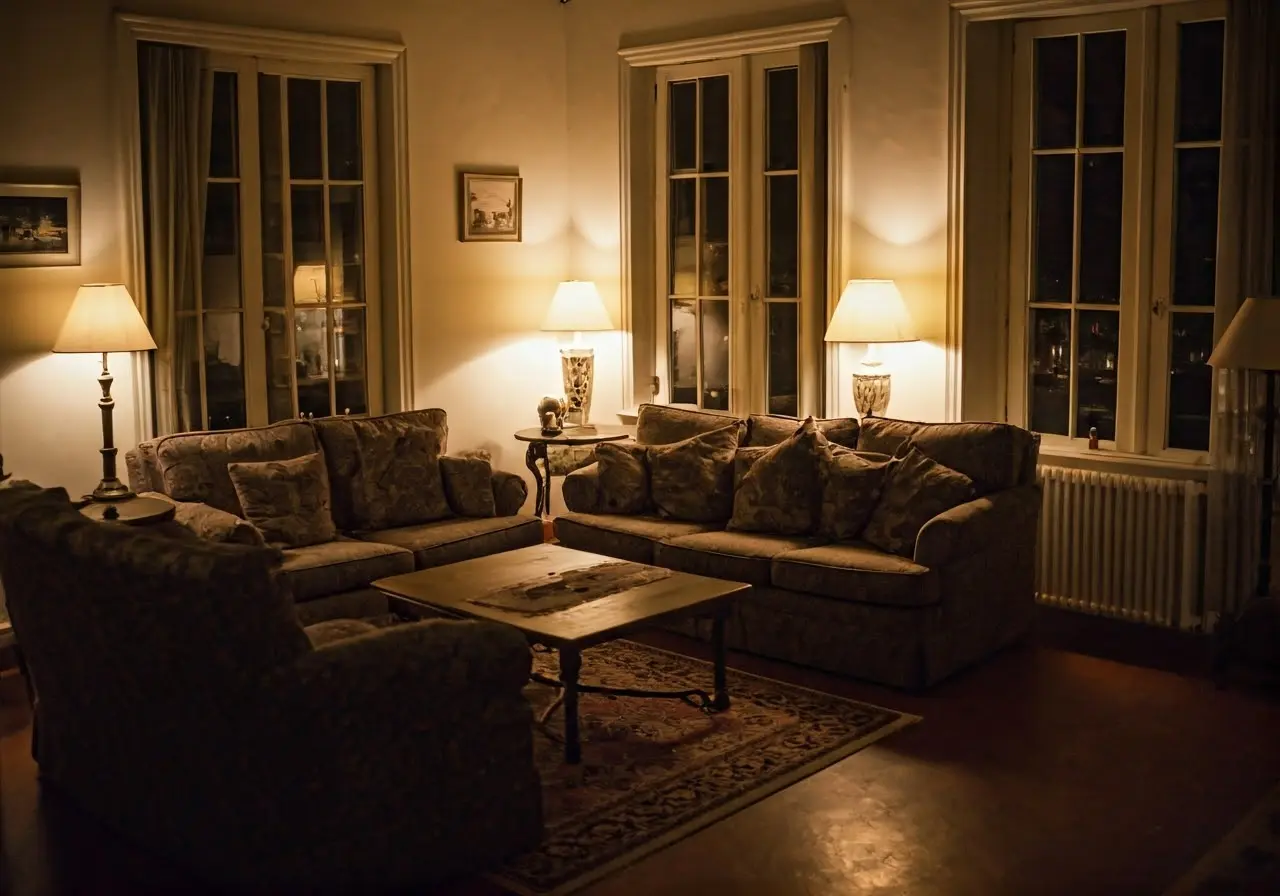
(132, 511)
(573, 435)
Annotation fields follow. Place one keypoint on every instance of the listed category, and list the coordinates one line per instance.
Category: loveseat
(398, 501)
(954, 593)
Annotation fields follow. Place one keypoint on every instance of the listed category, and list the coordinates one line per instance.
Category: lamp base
(111, 491)
(577, 365)
(871, 393)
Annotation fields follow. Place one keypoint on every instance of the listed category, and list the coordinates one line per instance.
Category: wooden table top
(577, 435)
(451, 587)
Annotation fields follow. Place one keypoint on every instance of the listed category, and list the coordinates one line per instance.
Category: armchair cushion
(975, 526)
(468, 485)
(693, 479)
(917, 489)
(319, 570)
(212, 524)
(780, 492)
(288, 500)
(851, 485)
(624, 477)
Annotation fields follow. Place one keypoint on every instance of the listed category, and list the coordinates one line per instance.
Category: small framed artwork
(491, 208)
(39, 225)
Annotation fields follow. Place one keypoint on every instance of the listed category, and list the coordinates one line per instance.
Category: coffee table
(454, 589)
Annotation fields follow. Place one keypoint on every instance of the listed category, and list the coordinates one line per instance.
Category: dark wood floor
(1045, 771)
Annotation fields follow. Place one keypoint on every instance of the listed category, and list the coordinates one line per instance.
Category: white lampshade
(104, 318)
(577, 307)
(1252, 341)
(871, 311)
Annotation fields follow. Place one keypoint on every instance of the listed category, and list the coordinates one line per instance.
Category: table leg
(532, 454)
(719, 702)
(570, 666)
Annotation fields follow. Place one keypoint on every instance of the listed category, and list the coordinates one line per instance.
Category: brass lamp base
(578, 368)
(871, 393)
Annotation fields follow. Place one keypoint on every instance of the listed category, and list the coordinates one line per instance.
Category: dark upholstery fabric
(660, 424)
(851, 485)
(211, 523)
(917, 488)
(581, 490)
(335, 630)
(510, 491)
(287, 500)
(623, 477)
(781, 492)
(744, 459)
(336, 566)
(358, 603)
(856, 572)
(991, 454)
(625, 537)
(693, 480)
(453, 540)
(770, 429)
(468, 485)
(736, 556)
(564, 459)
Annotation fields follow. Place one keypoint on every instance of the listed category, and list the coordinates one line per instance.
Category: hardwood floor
(1044, 771)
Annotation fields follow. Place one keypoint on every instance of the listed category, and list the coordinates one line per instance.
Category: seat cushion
(322, 569)
(736, 556)
(448, 541)
(625, 537)
(856, 572)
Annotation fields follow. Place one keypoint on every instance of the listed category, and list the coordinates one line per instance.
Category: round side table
(574, 435)
(132, 511)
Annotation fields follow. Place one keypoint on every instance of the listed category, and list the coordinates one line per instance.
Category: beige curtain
(1253, 112)
(176, 97)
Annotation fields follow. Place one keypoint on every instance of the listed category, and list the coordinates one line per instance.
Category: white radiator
(1123, 546)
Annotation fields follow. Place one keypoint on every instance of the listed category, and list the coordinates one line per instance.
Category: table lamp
(576, 307)
(104, 319)
(871, 312)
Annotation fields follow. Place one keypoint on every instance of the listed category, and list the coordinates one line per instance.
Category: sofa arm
(582, 489)
(509, 492)
(210, 523)
(974, 526)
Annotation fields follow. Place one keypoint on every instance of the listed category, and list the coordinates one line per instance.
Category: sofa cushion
(449, 541)
(744, 459)
(287, 500)
(851, 485)
(770, 429)
(660, 424)
(625, 537)
(624, 477)
(917, 488)
(693, 480)
(319, 570)
(993, 455)
(781, 493)
(736, 556)
(193, 466)
(856, 572)
(468, 485)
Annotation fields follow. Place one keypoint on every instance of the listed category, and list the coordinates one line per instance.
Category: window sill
(1111, 461)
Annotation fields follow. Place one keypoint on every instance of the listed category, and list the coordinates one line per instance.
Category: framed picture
(491, 208)
(39, 225)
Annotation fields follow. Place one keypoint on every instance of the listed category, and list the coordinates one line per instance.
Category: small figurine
(1093, 437)
(551, 415)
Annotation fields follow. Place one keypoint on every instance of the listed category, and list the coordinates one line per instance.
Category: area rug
(1245, 862)
(654, 771)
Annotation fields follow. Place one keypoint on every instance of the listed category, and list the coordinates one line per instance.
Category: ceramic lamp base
(871, 393)
(578, 368)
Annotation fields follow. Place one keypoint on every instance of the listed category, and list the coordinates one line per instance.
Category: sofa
(398, 501)
(957, 591)
(179, 701)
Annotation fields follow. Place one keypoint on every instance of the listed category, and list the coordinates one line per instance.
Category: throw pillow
(468, 485)
(288, 500)
(744, 459)
(851, 485)
(623, 477)
(692, 480)
(780, 492)
(400, 482)
(917, 489)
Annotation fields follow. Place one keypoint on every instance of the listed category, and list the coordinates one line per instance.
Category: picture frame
(39, 225)
(490, 208)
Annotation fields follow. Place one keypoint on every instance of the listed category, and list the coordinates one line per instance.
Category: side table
(132, 511)
(574, 435)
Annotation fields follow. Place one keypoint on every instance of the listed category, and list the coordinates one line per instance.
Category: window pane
(1055, 99)
(1190, 380)
(308, 227)
(1195, 245)
(715, 355)
(1050, 370)
(220, 276)
(684, 353)
(1099, 351)
(682, 226)
(346, 243)
(683, 125)
(349, 361)
(279, 368)
(273, 281)
(1103, 123)
(304, 128)
(224, 370)
(343, 109)
(224, 134)
(188, 354)
(1200, 52)
(270, 157)
(1052, 225)
(312, 361)
(783, 213)
(715, 236)
(1101, 216)
(715, 123)
(784, 392)
(783, 119)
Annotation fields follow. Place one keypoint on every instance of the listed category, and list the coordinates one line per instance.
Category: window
(1117, 158)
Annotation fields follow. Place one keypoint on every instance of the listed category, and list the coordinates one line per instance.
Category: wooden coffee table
(455, 588)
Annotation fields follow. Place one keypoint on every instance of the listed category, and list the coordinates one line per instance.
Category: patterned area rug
(654, 771)
(1246, 862)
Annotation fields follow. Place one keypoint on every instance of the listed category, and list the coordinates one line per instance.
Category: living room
(906, 170)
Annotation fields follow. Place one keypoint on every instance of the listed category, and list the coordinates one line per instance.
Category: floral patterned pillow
(917, 489)
(624, 477)
(851, 484)
(693, 480)
(468, 485)
(288, 500)
(780, 492)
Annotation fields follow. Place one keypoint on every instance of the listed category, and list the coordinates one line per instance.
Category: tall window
(1118, 126)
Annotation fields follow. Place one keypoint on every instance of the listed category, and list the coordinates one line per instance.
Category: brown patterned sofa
(392, 513)
(179, 701)
(908, 619)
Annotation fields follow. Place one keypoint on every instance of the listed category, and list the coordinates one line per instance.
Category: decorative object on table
(491, 208)
(1250, 343)
(537, 451)
(551, 414)
(575, 308)
(39, 225)
(871, 312)
(104, 319)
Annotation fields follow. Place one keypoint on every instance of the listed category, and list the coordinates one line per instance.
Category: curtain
(1253, 113)
(176, 97)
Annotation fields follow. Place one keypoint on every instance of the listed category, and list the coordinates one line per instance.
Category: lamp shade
(577, 307)
(103, 318)
(1252, 341)
(871, 311)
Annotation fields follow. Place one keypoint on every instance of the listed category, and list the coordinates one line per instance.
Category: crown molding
(268, 42)
(738, 43)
